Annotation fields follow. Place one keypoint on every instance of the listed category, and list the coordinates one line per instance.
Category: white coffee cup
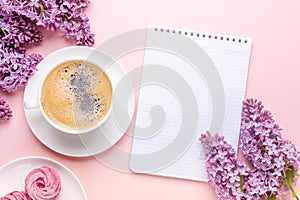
(52, 61)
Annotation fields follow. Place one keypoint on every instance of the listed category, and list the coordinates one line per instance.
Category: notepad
(192, 81)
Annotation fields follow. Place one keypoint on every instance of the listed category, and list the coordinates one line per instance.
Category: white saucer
(102, 138)
(13, 174)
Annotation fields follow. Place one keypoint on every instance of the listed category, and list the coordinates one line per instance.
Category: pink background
(273, 78)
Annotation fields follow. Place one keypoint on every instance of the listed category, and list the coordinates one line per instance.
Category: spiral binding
(203, 35)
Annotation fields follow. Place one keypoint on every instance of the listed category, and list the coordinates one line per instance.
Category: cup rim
(74, 131)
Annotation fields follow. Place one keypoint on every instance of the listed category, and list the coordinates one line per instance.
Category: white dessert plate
(98, 140)
(13, 174)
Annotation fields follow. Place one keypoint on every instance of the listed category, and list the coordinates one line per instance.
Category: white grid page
(231, 59)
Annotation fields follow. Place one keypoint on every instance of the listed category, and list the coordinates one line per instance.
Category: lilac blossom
(274, 160)
(75, 24)
(16, 69)
(263, 145)
(67, 16)
(231, 178)
(5, 111)
(228, 174)
(16, 31)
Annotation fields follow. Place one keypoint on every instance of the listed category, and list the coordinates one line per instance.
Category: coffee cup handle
(31, 104)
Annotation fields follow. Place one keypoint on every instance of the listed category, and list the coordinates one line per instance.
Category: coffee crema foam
(76, 95)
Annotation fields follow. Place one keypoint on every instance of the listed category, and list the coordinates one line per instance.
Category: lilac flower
(16, 69)
(17, 30)
(5, 111)
(272, 174)
(75, 24)
(228, 174)
(263, 145)
(66, 16)
(37, 11)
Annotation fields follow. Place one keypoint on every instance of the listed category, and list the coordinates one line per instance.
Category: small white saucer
(100, 139)
(13, 174)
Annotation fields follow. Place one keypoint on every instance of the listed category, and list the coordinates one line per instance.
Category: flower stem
(290, 186)
(294, 193)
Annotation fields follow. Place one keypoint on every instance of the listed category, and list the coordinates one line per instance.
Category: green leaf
(290, 174)
(288, 179)
(272, 198)
(242, 182)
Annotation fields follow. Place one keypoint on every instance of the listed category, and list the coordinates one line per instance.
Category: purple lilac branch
(228, 174)
(263, 145)
(5, 111)
(275, 161)
(16, 31)
(16, 69)
(64, 15)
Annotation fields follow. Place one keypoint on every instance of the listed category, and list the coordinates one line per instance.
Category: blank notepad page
(191, 81)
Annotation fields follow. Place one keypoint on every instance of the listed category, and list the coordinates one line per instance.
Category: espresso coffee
(76, 95)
